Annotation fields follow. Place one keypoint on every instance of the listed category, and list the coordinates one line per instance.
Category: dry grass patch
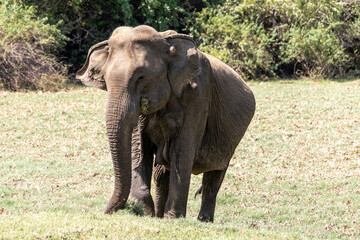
(295, 174)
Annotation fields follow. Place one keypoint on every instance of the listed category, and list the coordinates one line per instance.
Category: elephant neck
(163, 126)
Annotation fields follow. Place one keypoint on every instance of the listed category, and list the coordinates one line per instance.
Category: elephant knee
(161, 175)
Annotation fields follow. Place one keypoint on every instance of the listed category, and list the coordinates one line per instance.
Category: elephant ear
(184, 65)
(91, 74)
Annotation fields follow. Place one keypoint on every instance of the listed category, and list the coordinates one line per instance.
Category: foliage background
(271, 38)
(27, 48)
(258, 38)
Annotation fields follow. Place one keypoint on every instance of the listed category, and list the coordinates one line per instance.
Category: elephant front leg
(210, 187)
(142, 162)
(182, 156)
(179, 183)
(183, 149)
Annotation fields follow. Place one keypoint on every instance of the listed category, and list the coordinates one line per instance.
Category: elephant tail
(199, 191)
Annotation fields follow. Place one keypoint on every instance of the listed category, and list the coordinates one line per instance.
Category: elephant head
(140, 68)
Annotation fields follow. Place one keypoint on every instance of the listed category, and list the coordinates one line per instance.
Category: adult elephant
(169, 100)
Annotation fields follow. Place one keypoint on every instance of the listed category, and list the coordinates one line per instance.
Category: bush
(87, 22)
(258, 38)
(26, 47)
(267, 38)
(161, 14)
(318, 52)
(241, 44)
(32, 33)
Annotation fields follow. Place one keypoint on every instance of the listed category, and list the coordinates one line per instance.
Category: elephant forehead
(137, 34)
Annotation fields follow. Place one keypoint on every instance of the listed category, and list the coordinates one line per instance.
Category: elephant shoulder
(222, 71)
(229, 84)
(232, 102)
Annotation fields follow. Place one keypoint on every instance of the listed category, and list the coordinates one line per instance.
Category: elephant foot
(204, 218)
(149, 210)
(172, 214)
(146, 205)
(169, 216)
(113, 205)
(141, 196)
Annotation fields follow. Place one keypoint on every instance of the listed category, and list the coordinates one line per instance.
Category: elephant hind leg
(210, 186)
(161, 179)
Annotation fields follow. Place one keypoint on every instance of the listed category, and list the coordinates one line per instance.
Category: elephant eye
(141, 83)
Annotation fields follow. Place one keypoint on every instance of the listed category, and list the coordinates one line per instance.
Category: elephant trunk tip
(113, 206)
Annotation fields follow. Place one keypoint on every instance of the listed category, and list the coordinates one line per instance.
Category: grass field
(295, 175)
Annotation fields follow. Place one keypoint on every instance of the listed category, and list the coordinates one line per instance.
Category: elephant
(172, 111)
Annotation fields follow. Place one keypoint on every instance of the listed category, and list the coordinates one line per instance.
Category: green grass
(295, 175)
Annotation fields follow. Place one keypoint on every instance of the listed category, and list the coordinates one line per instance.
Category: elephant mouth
(144, 105)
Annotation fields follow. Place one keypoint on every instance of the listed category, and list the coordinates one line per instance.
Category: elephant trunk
(121, 117)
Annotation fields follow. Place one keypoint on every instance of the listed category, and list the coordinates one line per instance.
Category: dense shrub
(33, 30)
(267, 38)
(161, 14)
(27, 44)
(86, 22)
(258, 38)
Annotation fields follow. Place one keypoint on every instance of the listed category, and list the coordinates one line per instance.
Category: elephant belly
(211, 159)
(218, 144)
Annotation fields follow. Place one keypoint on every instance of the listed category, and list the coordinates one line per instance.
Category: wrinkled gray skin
(169, 100)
